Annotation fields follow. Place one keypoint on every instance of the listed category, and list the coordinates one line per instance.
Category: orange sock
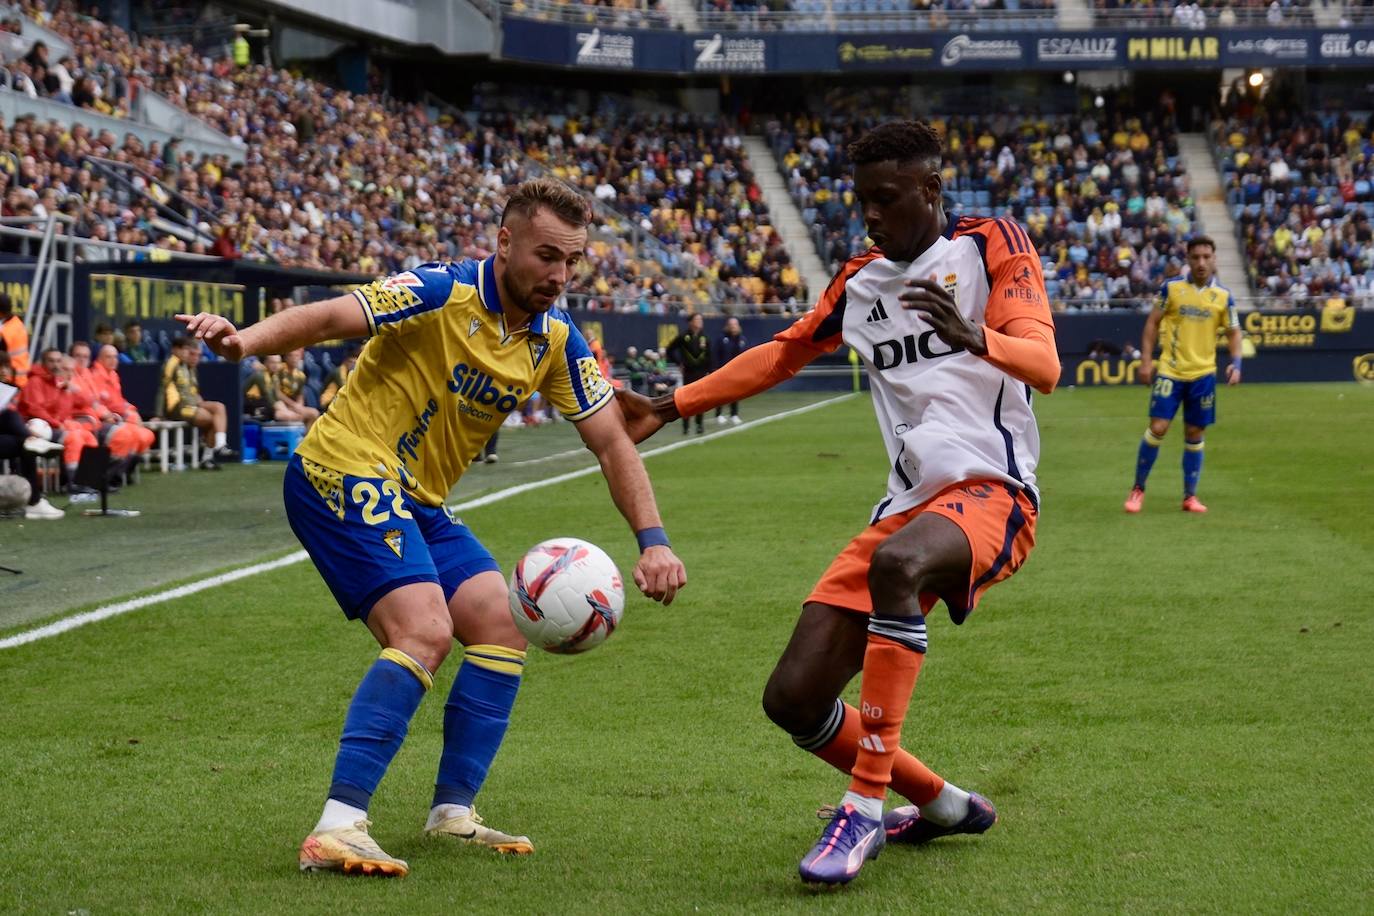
(911, 778)
(889, 677)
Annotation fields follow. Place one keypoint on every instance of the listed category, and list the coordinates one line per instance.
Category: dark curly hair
(900, 141)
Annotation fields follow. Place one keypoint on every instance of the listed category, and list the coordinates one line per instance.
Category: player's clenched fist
(659, 574)
(218, 333)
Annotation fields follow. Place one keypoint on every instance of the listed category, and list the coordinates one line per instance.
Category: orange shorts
(998, 520)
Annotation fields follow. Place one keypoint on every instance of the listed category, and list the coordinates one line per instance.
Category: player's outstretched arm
(659, 573)
(340, 318)
(753, 371)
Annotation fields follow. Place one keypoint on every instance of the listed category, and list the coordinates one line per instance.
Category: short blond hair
(552, 195)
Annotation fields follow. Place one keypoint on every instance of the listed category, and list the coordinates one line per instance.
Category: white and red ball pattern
(566, 595)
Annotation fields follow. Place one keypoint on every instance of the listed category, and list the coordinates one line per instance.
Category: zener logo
(889, 354)
(598, 49)
(730, 55)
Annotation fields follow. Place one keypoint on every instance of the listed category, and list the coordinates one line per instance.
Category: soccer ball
(566, 595)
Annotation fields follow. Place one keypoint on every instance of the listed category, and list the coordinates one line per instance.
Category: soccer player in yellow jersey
(1186, 320)
(454, 349)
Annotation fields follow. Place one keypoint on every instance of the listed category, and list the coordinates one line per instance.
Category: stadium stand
(621, 14)
(1191, 14)
(318, 191)
(684, 181)
(1106, 202)
(1301, 192)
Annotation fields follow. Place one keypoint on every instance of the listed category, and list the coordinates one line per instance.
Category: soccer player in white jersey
(455, 349)
(952, 322)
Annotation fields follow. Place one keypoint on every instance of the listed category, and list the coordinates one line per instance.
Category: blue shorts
(1199, 399)
(367, 536)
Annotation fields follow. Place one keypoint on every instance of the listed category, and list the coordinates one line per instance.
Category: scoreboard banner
(726, 52)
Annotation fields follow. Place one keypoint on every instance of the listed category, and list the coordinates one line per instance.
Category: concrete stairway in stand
(1209, 197)
(786, 216)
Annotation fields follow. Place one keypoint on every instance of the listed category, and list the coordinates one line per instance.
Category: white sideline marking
(65, 624)
(554, 457)
(114, 610)
(499, 495)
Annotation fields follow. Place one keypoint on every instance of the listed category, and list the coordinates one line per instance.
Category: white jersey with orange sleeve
(946, 415)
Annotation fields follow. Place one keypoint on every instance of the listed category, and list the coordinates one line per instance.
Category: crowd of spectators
(687, 189)
(877, 15)
(1104, 198)
(1201, 14)
(619, 14)
(335, 180)
(1301, 188)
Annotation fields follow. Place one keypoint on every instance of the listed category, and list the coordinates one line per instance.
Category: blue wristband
(1235, 363)
(652, 537)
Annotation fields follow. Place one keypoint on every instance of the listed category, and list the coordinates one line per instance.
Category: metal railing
(576, 14)
(819, 15)
(1240, 18)
(56, 250)
(119, 172)
(878, 16)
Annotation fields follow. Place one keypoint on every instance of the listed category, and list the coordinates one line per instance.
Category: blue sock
(1145, 458)
(376, 725)
(1192, 465)
(475, 720)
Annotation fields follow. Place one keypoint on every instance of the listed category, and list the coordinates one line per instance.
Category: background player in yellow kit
(455, 348)
(1190, 312)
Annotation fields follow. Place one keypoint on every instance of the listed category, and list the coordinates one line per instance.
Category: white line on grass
(498, 495)
(114, 610)
(554, 457)
(66, 624)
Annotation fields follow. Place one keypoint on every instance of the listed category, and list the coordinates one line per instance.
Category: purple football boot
(905, 824)
(849, 840)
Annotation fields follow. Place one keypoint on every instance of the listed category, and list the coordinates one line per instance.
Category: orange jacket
(110, 392)
(14, 338)
(85, 392)
(43, 399)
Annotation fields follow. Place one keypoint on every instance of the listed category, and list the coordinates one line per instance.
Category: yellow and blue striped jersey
(1192, 316)
(441, 373)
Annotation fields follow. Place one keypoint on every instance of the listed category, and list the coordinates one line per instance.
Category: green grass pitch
(1171, 712)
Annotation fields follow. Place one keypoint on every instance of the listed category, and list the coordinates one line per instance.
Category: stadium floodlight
(1099, 101)
(1068, 77)
(1255, 79)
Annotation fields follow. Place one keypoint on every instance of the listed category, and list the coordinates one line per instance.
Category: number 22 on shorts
(365, 493)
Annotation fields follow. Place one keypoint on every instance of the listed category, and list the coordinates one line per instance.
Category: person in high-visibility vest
(14, 339)
(241, 50)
